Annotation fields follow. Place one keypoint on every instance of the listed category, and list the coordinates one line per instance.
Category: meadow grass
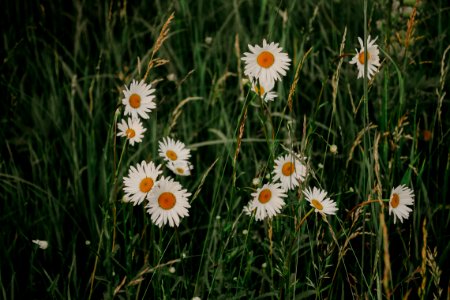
(64, 67)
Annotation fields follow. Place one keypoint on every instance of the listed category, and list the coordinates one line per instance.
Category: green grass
(64, 66)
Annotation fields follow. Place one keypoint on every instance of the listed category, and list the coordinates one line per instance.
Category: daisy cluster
(288, 173)
(165, 199)
(265, 65)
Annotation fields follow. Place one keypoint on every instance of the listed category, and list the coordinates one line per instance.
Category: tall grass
(63, 70)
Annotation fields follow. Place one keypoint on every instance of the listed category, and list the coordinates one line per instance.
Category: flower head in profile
(267, 201)
(373, 58)
(168, 203)
(173, 151)
(42, 244)
(266, 63)
(400, 198)
(263, 91)
(132, 129)
(138, 99)
(182, 168)
(140, 181)
(318, 199)
(289, 171)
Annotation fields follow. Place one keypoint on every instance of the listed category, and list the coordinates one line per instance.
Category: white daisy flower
(138, 99)
(400, 197)
(42, 244)
(168, 202)
(172, 150)
(140, 181)
(132, 130)
(289, 170)
(267, 201)
(373, 58)
(317, 199)
(266, 63)
(264, 91)
(182, 168)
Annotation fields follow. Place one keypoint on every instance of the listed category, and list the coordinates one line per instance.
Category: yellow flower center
(316, 203)
(130, 133)
(167, 200)
(171, 155)
(265, 196)
(146, 185)
(135, 101)
(259, 90)
(265, 59)
(361, 57)
(395, 200)
(180, 170)
(288, 168)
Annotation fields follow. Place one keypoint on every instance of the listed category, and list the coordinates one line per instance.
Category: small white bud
(42, 244)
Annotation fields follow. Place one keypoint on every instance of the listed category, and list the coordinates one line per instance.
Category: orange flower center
(265, 59)
(427, 135)
(361, 57)
(265, 196)
(135, 101)
(130, 133)
(180, 170)
(167, 200)
(259, 90)
(395, 200)
(316, 203)
(287, 169)
(171, 155)
(146, 185)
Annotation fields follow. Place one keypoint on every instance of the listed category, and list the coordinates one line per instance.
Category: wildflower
(373, 59)
(140, 181)
(265, 92)
(182, 168)
(400, 197)
(168, 202)
(289, 170)
(267, 201)
(317, 199)
(138, 99)
(173, 151)
(132, 130)
(266, 63)
(42, 244)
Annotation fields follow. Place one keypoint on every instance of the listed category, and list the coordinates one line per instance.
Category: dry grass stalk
(139, 277)
(239, 138)
(423, 268)
(435, 272)
(237, 50)
(410, 25)
(163, 35)
(358, 141)
(378, 188)
(177, 111)
(335, 78)
(296, 77)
